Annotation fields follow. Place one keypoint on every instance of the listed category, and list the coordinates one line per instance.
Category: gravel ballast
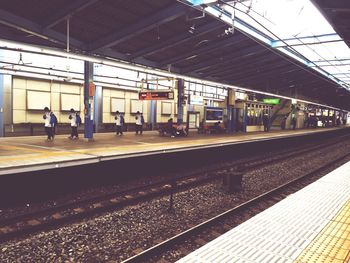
(120, 234)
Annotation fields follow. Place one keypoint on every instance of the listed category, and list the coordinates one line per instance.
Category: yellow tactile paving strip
(332, 244)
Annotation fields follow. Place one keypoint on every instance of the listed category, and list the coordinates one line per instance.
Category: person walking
(49, 122)
(75, 121)
(119, 122)
(139, 122)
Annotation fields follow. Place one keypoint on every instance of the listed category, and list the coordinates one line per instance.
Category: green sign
(272, 101)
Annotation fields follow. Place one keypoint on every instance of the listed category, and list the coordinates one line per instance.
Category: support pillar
(231, 98)
(180, 100)
(2, 105)
(152, 118)
(88, 101)
(98, 108)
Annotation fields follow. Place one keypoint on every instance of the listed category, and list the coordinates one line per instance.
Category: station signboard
(241, 96)
(196, 100)
(156, 95)
(272, 101)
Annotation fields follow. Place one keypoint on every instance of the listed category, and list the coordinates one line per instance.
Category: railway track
(24, 224)
(208, 230)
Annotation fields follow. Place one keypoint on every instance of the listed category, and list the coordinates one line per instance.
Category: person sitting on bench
(170, 128)
(217, 127)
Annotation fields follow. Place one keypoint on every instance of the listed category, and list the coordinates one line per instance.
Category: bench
(180, 130)
(212, 129)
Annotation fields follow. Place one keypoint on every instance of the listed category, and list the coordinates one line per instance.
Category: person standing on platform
(119, 122)
(266, 122)
(294, 123)
(338, 121)
(139, 122)
(283, 122)
(309, 122)
(49, 121)
(75, 121)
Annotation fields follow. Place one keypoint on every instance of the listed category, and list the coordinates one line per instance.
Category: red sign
(92, 89)
(156, 95)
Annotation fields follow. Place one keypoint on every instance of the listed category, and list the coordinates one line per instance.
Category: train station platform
(310, 226)
(26, 154)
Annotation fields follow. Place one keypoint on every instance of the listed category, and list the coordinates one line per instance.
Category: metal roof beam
(281, 85)
(242, 65)
(310, 84)
(141, 25)
(284, 80)
(339, 10)
(307, 40)
(209, 47)
(67, 11)
(258, 70)
(110, 53)
(298, 83)
(280, 44)
(333, 65)
(176, 40)
(273, 71)
(249, 51)
(25, 25)
(309, 37)
(234, 68)
(332, 4)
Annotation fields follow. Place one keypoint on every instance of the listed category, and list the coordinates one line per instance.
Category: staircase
(278, 113)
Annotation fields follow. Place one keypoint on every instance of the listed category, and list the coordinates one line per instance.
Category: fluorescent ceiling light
(6, 44)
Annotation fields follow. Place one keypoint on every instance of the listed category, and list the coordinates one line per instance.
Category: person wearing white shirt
(49, 122)
(139, 122)
(119, 121)
(74, 123)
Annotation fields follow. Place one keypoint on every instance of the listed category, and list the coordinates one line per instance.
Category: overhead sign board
(241, 96)
(196, 100)
(272, 101)
(156, 95)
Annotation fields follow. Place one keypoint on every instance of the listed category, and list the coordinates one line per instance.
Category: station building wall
(128, 96)
(16, 99)
(22, 115)
(7, 102)
(20, 111)
(161, 107)
(164, 117)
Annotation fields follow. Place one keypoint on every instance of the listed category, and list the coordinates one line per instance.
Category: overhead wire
(285, 43)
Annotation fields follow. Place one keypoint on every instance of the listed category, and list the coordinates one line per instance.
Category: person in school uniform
(50, 121)
(266, 122)
(119, 122)
(75, 121)
(139, 121)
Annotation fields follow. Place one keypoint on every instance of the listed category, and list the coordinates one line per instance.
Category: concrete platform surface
(309, 226)
(22, 154)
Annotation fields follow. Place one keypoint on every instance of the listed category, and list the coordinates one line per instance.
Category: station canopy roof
(240, 43)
